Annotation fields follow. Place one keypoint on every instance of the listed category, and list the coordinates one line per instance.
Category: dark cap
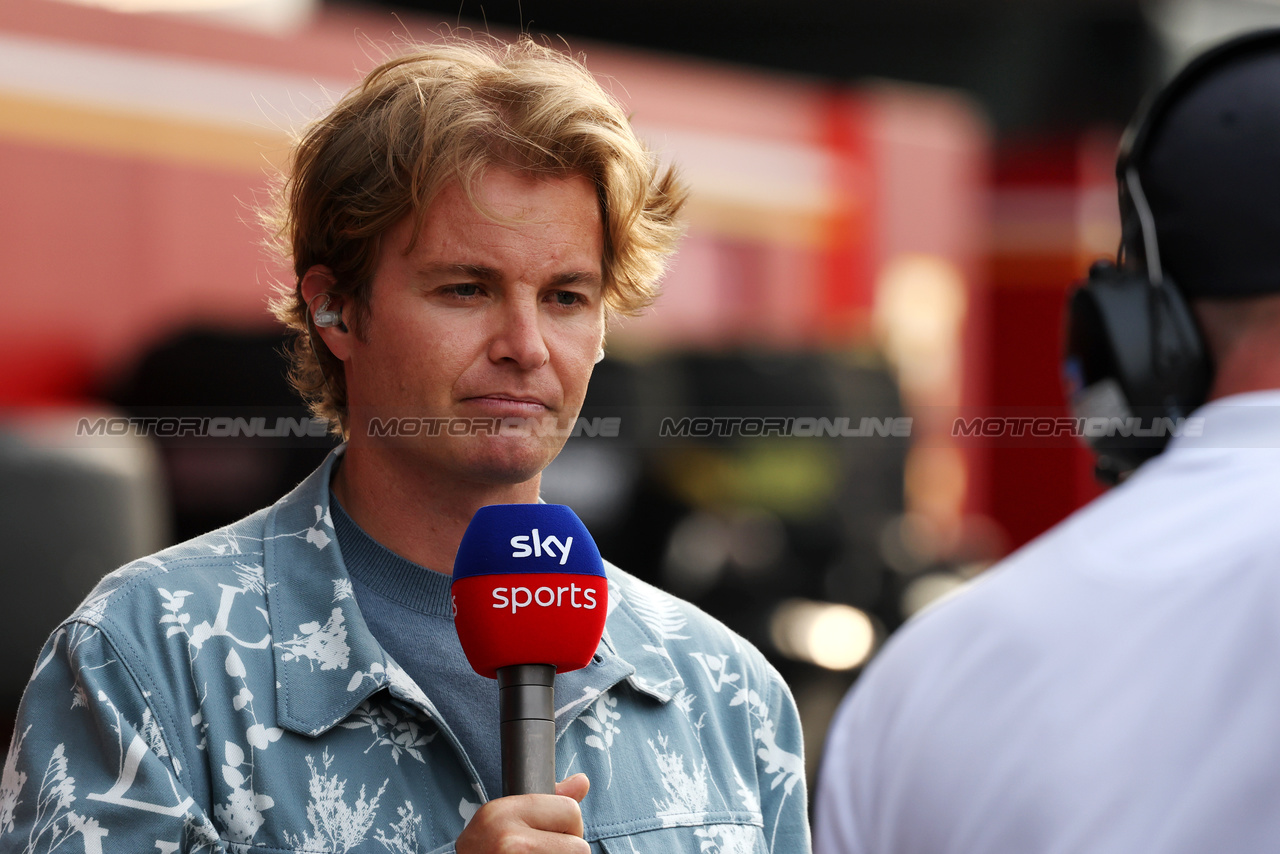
(1208, 155)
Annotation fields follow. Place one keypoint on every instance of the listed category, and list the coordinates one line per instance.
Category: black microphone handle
(526, 697)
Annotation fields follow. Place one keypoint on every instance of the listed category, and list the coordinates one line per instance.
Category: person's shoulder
(682, 629)
(1084, 549)
(666, 615)
(200, 566)
(999, 613)
(1117, 548)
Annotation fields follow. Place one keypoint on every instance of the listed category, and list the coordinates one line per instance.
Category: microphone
(529, 601)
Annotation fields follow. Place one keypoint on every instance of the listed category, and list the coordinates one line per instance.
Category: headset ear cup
(1181, 354)
(1133, 351)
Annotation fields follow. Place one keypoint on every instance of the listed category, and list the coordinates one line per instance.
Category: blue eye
(568, 298)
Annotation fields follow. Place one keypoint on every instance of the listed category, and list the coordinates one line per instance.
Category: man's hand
(530, 824)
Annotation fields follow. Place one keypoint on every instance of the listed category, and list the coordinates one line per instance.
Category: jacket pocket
(721, 838)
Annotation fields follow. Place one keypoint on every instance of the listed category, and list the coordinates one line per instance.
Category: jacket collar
(328, 662)
(629, 650)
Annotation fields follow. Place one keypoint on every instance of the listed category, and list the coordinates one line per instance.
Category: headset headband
(1137, 136)
(1138, 229)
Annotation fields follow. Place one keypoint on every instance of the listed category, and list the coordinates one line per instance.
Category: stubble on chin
(503, 461)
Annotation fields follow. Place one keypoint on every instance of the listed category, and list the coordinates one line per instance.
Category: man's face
(484, 320)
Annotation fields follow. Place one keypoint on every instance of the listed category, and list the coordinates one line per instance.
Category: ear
(604, 337)
(316, 283)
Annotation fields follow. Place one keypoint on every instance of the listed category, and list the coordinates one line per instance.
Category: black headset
(1133, 349)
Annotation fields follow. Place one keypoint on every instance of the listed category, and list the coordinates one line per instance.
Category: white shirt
(1114, 686)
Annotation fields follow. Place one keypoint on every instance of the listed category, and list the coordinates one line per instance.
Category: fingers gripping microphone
(529, 601)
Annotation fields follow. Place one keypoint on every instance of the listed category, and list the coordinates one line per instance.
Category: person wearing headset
(1112, 687)
(460, 227)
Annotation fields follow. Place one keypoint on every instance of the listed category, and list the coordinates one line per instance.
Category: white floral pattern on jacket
(226, 695)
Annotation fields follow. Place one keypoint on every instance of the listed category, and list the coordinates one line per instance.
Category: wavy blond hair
(447, 112)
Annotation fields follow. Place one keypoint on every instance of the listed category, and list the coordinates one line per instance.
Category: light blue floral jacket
(226, 695)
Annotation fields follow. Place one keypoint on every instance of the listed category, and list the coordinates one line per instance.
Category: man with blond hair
(461, 226)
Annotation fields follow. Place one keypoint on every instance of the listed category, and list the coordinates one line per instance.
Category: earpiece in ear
(600, 356)
(324, 317)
